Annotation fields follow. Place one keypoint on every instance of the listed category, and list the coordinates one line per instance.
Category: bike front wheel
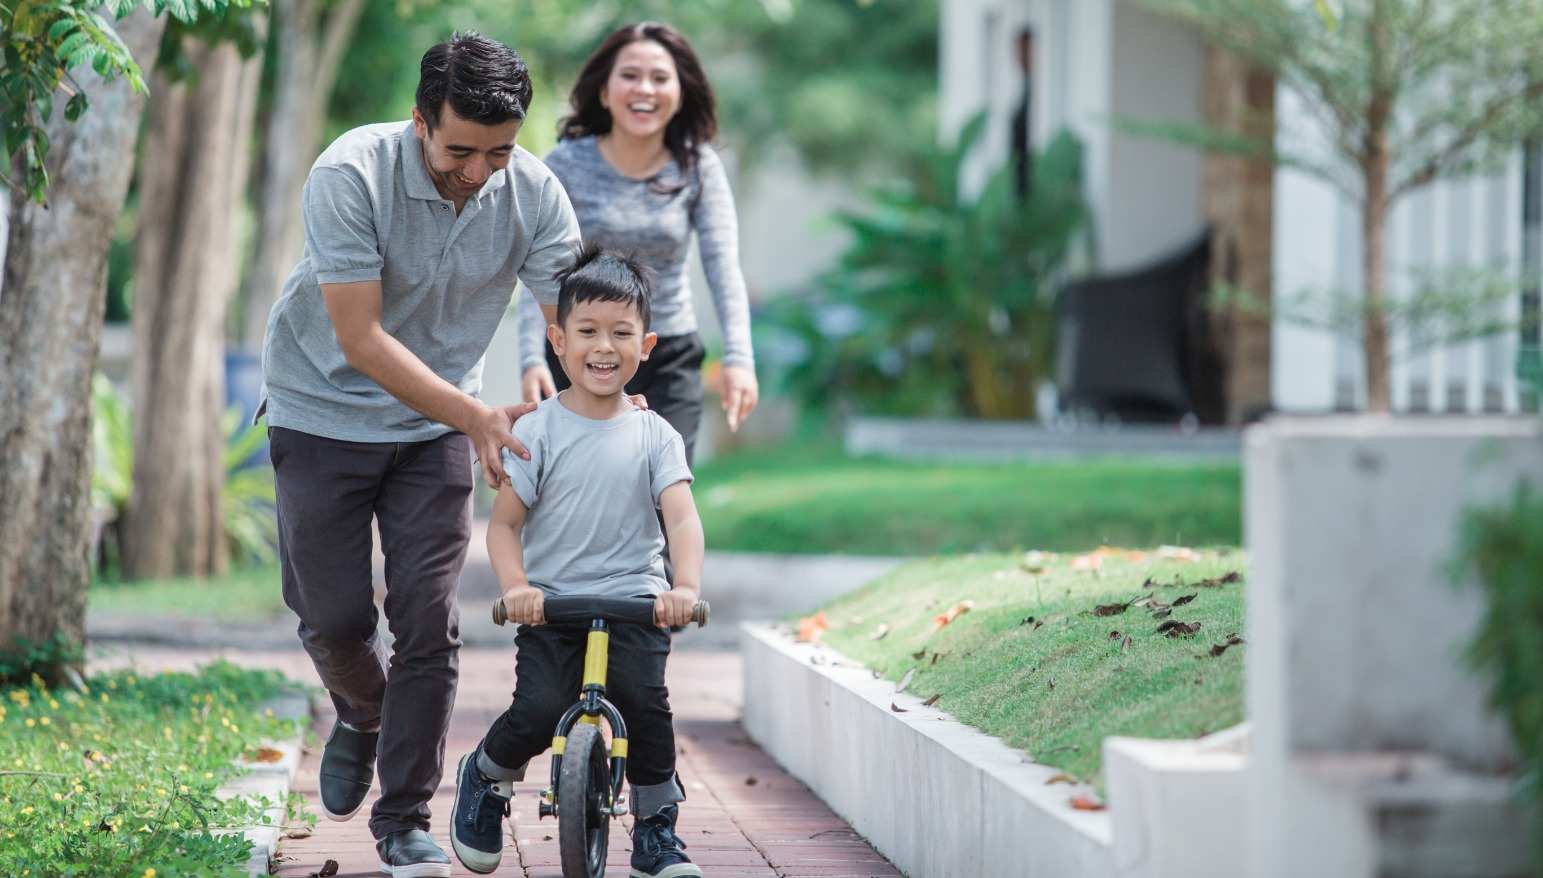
(584, 803)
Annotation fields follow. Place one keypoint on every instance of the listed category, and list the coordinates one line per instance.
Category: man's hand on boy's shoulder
(673, 608)
(495, 433)
(525, 605)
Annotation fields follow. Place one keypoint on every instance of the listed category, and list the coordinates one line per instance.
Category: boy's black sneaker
(347, 770)
(412, 853)
(656, 850)
(477, 826)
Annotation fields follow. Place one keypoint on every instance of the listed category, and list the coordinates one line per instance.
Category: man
(415, 234)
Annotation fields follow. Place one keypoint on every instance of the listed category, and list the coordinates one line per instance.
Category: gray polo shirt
(371, 212)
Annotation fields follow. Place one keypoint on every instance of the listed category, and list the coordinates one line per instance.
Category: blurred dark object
(1135, 347)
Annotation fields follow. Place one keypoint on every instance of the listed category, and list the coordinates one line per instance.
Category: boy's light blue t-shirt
(592, 488)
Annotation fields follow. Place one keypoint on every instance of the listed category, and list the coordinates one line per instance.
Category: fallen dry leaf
(328, 869)
(811, 628)
(1075, 748)
(1090, 561)
(949, 615)
(919, 654)
(1061, 778)
(905, 680)
(1175, 628)
(752, 780)
(1177, 553)
(1164, 613)
(1114, 635)
(1111, 609)
(1181, 601)
(298, 832)
(1086, 803)
(879, 632)
(1126, 645)
(1232, 640)
(896, 708)
(267, 754)
(932, 700)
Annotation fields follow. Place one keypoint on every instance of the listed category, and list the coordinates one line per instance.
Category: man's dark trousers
(328, 493)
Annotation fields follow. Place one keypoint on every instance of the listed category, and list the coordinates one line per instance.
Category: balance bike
(586, 783)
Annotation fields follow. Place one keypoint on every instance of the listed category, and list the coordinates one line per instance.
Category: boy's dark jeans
(328, 492)
(549, 668)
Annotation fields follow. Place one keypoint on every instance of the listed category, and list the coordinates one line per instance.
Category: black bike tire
(583, 791)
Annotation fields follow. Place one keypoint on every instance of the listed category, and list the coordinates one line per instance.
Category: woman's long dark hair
(695, 123)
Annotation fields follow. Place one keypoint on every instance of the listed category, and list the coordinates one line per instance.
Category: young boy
(579, 518)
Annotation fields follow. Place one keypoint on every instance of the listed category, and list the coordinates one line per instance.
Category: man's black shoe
(412, 853)
(347, 769)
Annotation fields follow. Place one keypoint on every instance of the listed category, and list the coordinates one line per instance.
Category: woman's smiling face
(643, 91)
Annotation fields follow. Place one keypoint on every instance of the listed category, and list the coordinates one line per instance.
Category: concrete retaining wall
(933, 795)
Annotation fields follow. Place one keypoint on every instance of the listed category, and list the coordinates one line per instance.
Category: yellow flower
(27, 810)
(31, 722)
(45, 720)
(54, 704)
(149, 873)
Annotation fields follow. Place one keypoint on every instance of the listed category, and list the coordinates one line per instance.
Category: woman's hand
(536, 384)
(740, 393)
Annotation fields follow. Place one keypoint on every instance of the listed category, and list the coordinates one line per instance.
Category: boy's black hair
(479, 79)
(600, 275)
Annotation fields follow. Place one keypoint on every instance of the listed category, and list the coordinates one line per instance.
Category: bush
(247, 499)
(1504, 547)
(944, 304)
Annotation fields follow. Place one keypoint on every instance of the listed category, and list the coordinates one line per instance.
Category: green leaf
(76, 107)
(58, 29)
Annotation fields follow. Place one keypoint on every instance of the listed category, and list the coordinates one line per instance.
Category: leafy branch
(44, 43)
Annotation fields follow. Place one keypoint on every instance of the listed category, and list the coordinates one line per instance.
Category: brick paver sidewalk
(744, 816)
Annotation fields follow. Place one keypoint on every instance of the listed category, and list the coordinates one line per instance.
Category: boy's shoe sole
(679, 870)
(417, 870)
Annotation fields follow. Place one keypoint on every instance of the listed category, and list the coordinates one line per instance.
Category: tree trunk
(50, 325)
(191, 185)
(1374, 221)
(309, 53)
(1239, 204)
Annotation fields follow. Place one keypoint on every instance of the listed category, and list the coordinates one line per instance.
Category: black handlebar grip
(580, 608)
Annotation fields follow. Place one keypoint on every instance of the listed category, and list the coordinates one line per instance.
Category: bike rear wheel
(583, 803)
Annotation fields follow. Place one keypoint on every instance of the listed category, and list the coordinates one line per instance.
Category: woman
(637, 164)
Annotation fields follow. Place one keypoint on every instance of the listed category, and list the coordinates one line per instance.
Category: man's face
(461, 154)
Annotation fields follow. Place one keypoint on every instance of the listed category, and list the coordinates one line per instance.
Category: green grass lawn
(811, 499)
(1039, 665)
(244, 593)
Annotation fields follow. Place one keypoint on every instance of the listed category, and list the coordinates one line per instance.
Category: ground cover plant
(1053, 653)
(117, 776)
(813, 499)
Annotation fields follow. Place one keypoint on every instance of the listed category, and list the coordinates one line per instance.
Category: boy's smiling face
(600, 346)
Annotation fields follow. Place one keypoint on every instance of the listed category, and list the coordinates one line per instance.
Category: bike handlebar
(583, 608)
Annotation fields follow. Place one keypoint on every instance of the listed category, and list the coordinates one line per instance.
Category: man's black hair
(481, 80)
(600, 275)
